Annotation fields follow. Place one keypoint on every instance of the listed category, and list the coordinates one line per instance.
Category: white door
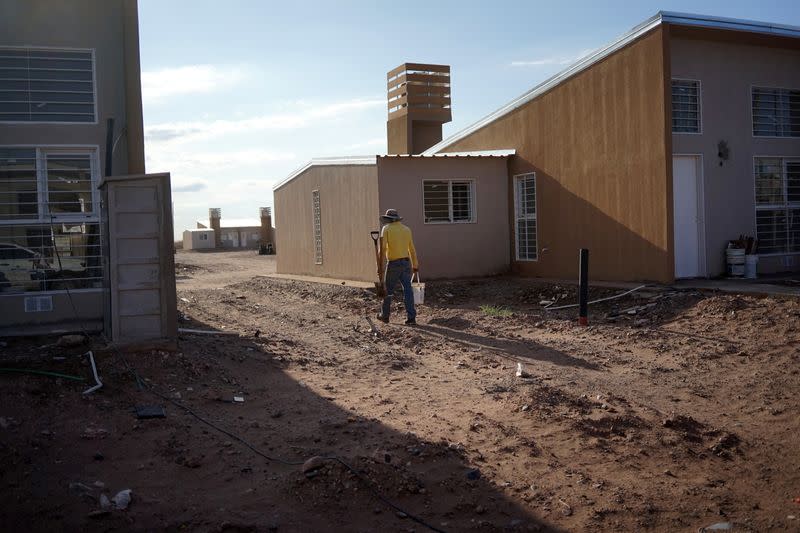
(687, 212)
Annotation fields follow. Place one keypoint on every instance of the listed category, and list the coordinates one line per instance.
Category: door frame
(701, 211)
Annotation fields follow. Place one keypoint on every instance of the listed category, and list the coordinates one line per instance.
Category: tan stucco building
(653, 152)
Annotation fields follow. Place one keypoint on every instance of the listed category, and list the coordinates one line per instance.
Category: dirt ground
(674, 410)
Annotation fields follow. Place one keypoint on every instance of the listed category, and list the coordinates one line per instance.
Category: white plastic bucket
(418, 289)
(751, 266)
(735, 258)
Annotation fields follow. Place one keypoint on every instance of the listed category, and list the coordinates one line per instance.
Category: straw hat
(391, 216)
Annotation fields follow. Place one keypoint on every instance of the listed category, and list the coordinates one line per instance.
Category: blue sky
(237, 94)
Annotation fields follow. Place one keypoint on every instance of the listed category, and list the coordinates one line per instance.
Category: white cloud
(303, 115)
(552, 60)
(158, 85)
(210, 162)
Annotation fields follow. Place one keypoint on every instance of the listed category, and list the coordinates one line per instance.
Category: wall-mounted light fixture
(723, 152)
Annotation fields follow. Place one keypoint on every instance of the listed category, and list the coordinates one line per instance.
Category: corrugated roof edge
(474, 153)
(686, 19)
(328, 161)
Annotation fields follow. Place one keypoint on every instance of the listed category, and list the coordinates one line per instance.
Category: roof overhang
(471, 154)
(663, 17)
(327, 162)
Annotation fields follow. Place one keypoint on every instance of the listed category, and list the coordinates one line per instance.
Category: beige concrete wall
(88, 302)
(451, 250)
(107, 27)
(349, 209)
(141, 259)
(599, 145)
(192, 240)
(727, 70)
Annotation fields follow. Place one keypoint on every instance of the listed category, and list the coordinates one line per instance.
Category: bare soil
(673, 410)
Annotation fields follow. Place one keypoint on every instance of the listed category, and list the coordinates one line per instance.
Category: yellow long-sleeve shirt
(397, 243)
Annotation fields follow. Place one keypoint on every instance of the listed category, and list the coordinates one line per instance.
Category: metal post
(109, 146)
(583, 287)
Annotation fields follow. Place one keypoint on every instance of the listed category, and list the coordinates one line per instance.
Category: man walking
(400, 257)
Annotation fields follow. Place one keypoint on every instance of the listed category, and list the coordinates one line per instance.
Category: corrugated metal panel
(328, 161)
(662, 17)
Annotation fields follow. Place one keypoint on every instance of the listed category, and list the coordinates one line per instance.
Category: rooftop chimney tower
(419, 103)
(267, 238)
(214, 222)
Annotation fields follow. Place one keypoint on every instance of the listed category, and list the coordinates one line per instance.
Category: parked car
(21, 268)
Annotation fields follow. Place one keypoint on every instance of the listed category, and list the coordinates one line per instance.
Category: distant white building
(231, 232)
(198, 239)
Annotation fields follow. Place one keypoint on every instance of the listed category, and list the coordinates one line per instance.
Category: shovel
(380, 289)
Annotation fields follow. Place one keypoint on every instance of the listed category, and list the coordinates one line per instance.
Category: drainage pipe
(96, 377)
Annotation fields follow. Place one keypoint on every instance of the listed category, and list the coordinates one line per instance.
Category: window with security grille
(685, 106)
(46, 85)
(317, 212)
(777, 205)
(525, 215)
(776, 112)
(448, 201)
(49, 220)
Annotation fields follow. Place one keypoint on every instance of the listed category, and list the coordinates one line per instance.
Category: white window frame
(526, 216)
(786, 205)
(316, 223)
(44, 218)
(699, 108)
(473, 211)
(42, 190)
(91, 51)
(753, 111)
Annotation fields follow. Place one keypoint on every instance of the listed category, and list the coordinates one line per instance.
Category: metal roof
(662, 17)
(372, 160)
(473, 153)
(328, 161)
(231, 223)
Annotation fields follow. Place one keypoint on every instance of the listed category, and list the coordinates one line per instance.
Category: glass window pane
(29, 262)
(793, 182)
(46, 86)
(793, 229)
(769, 181)
(462, 201)
(685, 106)
(436, 197)
(18, 184)
(771, 230)
(69, 185)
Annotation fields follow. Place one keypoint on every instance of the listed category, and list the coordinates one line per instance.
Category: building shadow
(516, 350)
(187, 476)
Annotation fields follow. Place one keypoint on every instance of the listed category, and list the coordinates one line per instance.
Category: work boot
(411, 322)
(382, 318)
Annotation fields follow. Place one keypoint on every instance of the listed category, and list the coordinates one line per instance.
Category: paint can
(751, 266)
(735, 259)
(418, 289)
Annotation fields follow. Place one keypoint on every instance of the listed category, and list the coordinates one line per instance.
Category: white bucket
(735, 258)
(419, 291)
(751, 266)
